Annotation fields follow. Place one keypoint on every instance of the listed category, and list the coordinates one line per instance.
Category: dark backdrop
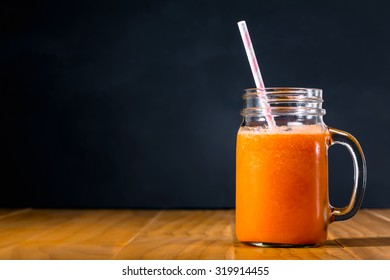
(136, 103)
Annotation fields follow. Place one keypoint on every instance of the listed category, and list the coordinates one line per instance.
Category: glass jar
(282, 169)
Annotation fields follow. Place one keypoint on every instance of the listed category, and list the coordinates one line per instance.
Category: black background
(136, 103)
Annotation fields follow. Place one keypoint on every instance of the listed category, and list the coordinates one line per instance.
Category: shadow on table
(364, 242)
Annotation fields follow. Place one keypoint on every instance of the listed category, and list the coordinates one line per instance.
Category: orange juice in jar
(282, 170)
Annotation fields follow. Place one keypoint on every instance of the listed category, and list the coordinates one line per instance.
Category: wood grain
(366, 236)
(69, 234)
(196, 234)
(10, 212)
(172, 234)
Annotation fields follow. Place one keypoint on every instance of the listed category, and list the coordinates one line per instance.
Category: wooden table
(171, 234)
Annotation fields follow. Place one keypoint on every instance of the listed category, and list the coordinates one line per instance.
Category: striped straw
(250, 52)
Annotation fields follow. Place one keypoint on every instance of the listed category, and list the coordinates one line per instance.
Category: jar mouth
(314, 92)
(283, 101)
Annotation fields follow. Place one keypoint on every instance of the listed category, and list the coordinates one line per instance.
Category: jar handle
(360, 174)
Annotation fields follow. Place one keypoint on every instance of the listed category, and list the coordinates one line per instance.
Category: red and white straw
(250, 52)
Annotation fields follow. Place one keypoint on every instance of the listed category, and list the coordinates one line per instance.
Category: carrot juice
(282, 185)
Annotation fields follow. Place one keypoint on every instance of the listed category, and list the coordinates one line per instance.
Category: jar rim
(283, 89)
(283, 101)
(280, 93)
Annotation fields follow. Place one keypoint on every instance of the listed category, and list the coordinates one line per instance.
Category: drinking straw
(250, 52)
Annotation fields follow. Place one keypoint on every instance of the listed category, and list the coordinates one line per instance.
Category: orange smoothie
(282, 185)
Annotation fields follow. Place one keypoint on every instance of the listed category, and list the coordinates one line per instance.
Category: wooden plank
(364, 224)
(210, 235)
(177, 248)
(186, 248)
(27, 225)
(10, 212)
(184, 234)
(384, 214)
(366, 236)
(173, 234)
(75, 234)
(202, 223)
